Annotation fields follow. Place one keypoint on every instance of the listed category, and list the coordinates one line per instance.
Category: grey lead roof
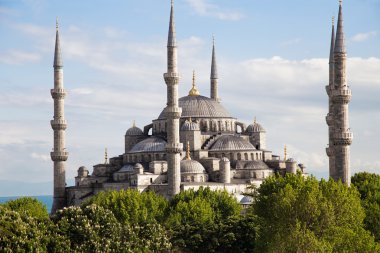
(57, 51)
(151, 144)
(339, 41)
(214, 70)
(256, 165)
(254, 128)
(190, 126)
(200, 107)
(231, 142)
(192, 166)
(134, 131)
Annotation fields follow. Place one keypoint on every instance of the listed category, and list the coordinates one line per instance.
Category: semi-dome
(256, 165)
(246, 200)
(151, 144)
(192, 166)
(190, 126)
(126, 168)
(133, 131)
(231, 142)
(254, 128)
(200, 107)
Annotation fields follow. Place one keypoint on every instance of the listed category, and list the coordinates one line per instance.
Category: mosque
(193, 142)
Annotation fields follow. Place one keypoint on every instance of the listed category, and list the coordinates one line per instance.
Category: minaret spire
(341, 96)
(172, 111)
(214, 74)
(59, 154)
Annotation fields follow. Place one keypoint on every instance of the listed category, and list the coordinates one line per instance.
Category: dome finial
(194, 91)
(285, 152)
(188, 151)
(56, 23)
(254, 120)
(105, 156)
(134, 123)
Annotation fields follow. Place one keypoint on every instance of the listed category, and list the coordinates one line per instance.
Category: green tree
(23, 233)
(28, 206)
(131, 206)
(203, 220)
(368, 186)
(298, 214)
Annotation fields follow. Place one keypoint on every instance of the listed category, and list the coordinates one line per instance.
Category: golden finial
(56, 23)
(213, 40)
(105, 156)
(194, 91)
(188, 151)
(134, 123)
(285, 153)
(254, 120)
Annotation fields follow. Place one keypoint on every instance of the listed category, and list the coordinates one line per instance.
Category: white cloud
(360, 37)
(42, 157)
(15, 57)
(204, 8)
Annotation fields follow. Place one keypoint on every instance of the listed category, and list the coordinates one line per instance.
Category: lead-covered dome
(134, 131)
(192, 167)
(200, 107)
(231, 142)
(256, 165)
(254, 128)
(190, 126)
(151, 144)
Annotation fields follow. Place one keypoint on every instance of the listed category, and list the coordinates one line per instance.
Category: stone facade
(340, 136)
(221, 153)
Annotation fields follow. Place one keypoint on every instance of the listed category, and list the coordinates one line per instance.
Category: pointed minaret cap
(57, 52)
(214, 70)
(340, 41)
(332, 41)
(171, 35)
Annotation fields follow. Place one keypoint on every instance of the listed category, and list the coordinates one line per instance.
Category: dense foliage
(131, 206)
(289, 214)
(368, 186)
(303, 215)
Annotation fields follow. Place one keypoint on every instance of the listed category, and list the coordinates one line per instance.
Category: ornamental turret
(341, 96)
(59, 154)
(173, 112)
(214, 75)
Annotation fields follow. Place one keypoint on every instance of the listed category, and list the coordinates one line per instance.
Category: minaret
(329, 117)
(214, 74)
(173, 112)
(59, 154)
(341, 96)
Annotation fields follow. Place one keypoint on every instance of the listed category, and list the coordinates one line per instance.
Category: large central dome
(200, 107)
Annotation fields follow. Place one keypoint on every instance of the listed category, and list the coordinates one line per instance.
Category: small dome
(254, 128)
(151, 144)
(231, 142)
(138, 166)
(82, 169)
(246, 200)
(192, 166)
(256, 165)
(290, 160)
(134, 131)
(190, 126)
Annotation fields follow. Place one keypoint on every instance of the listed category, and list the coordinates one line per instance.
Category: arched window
(245, 156)
(252, 157)
(257, 156)
(192, 178)
(239, 156)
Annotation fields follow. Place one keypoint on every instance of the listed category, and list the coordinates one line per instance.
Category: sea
(47, 200)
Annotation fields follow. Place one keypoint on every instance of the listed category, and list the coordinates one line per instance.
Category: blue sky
(272, 59)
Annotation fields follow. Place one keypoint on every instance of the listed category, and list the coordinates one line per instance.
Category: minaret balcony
(172, 112)
(328, 90)
(58, 93)
(329, 151)
(343, 138)
(329, 119)
(174, 148)
(171, 78)
(342, 96)
(58, 124)
(59, 156)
